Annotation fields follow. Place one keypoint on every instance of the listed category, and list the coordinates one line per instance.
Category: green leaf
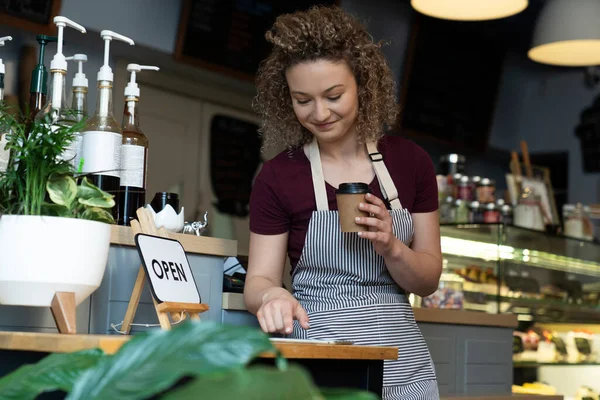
(152, 362)
(98, 214)
(56, 372)
(347, 394)
(98, 202)
(55, 210)
(256, 383)
(62, 189)
(86, 190)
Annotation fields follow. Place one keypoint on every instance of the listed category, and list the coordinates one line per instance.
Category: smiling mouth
(326, 125)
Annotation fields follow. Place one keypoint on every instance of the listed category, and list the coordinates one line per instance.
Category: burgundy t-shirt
(283, 199)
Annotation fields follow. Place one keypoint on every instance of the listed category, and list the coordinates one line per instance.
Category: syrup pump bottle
(134, 153)
(102, 136)
(56, 111)
(39, 79)
(4, 153)
(79, 103)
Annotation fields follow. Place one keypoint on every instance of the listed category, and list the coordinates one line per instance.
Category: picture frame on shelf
(33, 16)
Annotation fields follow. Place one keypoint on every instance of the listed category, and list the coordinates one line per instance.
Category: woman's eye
(335, 98)
(302, 101)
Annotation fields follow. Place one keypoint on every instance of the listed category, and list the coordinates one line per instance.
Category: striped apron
(348, 293)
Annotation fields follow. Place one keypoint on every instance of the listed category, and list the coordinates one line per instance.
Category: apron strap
(385, 180)
(312, 153)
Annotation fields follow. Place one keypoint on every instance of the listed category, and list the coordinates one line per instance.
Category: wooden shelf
(123, 236)
(61, 343)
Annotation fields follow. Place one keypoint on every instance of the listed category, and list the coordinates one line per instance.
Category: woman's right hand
(278, 311)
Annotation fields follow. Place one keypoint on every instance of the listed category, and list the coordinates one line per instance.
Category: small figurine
(197, 227)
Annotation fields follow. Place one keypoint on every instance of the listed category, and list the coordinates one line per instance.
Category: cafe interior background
(468, 92)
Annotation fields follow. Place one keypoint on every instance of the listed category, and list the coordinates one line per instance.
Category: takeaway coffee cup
(349, 196)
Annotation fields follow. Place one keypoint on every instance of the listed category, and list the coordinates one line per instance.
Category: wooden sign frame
(176, 311)
(26, 24)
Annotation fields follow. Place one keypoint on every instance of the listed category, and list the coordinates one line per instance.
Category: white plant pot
(40, 256)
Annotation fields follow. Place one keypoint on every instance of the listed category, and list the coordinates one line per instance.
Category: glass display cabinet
(497, 268)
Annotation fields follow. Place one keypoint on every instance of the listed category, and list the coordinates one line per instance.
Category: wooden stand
(64, 311)
(176, 311)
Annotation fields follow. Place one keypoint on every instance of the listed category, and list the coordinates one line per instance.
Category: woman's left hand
(379, 222)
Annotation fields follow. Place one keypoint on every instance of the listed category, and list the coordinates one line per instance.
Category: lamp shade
(567, 33)
(469, 10)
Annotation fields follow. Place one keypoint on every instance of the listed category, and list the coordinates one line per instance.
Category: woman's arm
(264, 295)
(417, 268)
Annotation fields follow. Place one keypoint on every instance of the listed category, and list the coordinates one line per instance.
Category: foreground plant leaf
(62, 190)
(98, 214)
(55, 210)
(56, 372)
(98, 202)
(86, 190)
(153, 362)
(256, 383)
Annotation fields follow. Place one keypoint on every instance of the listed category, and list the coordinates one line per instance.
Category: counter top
(63, 343)
(123, 235)
(235, 301)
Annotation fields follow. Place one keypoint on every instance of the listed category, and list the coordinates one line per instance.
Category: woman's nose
(321, 112)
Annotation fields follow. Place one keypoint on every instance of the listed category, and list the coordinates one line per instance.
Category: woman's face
(325, 98)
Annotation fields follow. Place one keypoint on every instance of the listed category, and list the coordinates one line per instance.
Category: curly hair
(327, 33)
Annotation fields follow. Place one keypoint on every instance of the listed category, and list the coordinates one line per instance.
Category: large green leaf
(347, 394)
(55, 210)
(98, 214)
(153, 362)
(56, 372)
(86, 190)
(62, 190)
(98, 202)
(257, 383)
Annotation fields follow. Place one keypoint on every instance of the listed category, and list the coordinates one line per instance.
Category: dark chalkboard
(32, 15)
(451, 80)
(229, 35)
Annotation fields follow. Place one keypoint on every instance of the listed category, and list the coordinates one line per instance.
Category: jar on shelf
(475, 212)
(577, 222)
(528, 212)
(474, 182)
(447, 212)
(453, 182)
(461, 215)
(451, 164)
(464, 189)
(491, 213)
(486, 191)
(443, 187)
(506, 214)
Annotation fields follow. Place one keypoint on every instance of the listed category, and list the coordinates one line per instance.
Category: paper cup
(349, 196)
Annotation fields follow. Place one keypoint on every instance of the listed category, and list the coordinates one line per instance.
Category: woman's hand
(379, 223)
(278, 311)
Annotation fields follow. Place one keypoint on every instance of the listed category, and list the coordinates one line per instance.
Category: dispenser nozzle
(2, 43)
(80, 79)
(105, 73)
(59, 61)
(132, 89)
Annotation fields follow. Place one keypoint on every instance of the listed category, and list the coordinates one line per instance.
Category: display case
(498, 268)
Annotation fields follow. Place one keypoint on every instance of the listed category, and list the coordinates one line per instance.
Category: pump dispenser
(79, 104)
(102, 136)
(134, 154)
(56, 109)
(4, 153)
(39, 78)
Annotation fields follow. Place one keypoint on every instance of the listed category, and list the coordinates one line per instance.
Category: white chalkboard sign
(168, 270)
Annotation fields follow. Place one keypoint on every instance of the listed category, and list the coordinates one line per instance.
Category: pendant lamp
(567, 33)
(469, 10)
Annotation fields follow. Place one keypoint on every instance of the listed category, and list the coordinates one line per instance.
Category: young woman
(326, 93)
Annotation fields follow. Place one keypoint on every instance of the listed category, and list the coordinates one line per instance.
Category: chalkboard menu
(229, 35)
(234, 159)
(450, 84)
(33, 15)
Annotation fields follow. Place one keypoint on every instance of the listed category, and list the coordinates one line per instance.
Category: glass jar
(451, 164)
(464, 189)
(475, 213)
(486, 191)
(461, 215)
(528, 213)
(491, 214)
(506, 214)
(447, 212)
(454, 180)
(577, 222)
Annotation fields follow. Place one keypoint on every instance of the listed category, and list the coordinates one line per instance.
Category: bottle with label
(4, 153)
(56, 111)
(79, 103)
(102, 135)
(134, 153)
(39, 79)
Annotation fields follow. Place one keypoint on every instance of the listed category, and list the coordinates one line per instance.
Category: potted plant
(54, 225)
(195, 360)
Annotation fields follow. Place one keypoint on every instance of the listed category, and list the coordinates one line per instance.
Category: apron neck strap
(385, 180)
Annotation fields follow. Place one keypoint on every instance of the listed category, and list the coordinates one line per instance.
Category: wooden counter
(61, 343)
(235, 301)
(123, 235)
